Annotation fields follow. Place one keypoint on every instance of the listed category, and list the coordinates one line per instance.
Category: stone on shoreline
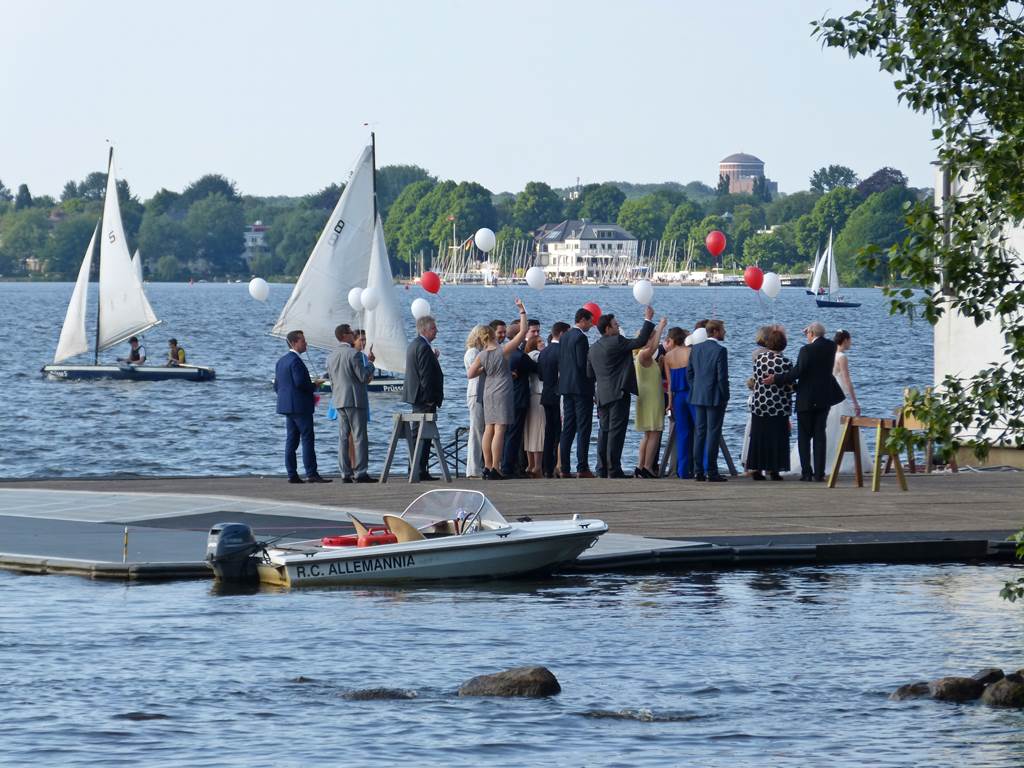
(1008, 692)
(522, 681)
(917, 690)
(955, 688)
(989, 675)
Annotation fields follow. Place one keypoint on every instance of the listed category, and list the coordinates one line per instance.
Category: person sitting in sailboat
(136, 355)
(175, 354)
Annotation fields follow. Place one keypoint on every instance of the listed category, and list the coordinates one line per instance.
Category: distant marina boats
(351, 253)
(123, 310)
(826, 270)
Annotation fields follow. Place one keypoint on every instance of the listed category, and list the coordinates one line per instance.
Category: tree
(833, 177)
(572, 206)
(828, 215)
(881, 180)
(325, 199)
(723, 184)
(760, 190)
(962, 65)
(767, 251)
(700, 231)
(790, 207)
(746, 220)
(160, 235)
(65, 249)
(645, 218)
(166, 202)
(879, 221)
(537, 204)
(601, 204)
(210, 184)
(266, 264)
(168, 269)
(471, 205)
(23, 199)
(217, 228)
(22, 235)
(392, 179)
(5, 193)
(293, 236)
(681, 222)
(400, 215)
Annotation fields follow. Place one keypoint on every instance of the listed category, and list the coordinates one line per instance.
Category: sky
(277, 96)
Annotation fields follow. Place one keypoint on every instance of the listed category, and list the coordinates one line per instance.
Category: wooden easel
(850, 441)
(417, 429)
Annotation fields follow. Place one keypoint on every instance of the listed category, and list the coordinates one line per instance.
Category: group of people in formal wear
(531, 398)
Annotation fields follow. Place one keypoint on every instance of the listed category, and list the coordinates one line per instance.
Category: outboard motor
(231, 552)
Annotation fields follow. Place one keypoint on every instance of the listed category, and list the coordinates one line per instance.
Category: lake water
(780, 667)
(229, 426)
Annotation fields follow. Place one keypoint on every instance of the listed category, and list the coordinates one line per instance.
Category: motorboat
(443, 534)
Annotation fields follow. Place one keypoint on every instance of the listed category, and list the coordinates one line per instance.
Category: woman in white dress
(474, 445)
(849, 407)
(533, 439)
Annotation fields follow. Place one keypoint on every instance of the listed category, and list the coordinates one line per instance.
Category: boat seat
(403, 530)
(361, 529)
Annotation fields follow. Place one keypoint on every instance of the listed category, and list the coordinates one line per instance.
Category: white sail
(339, 262)
(385, 329)
(833, 273)
(819, 269)
(137, 263)
(72, 335)
(124, 309)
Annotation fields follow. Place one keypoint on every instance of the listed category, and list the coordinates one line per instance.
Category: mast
(96, 346)
(373, 161)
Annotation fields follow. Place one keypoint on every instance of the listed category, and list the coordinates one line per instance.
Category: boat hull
(825, 303)
(128, 372)
(493, 554)
(382, 385)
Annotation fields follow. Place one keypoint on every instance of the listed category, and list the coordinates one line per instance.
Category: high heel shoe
(758, 475)
(646, 473)
(636, 472)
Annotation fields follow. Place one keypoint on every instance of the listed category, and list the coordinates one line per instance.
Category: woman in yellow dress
(650, 404)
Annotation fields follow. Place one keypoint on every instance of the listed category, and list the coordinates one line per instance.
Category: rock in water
(521, 681)
(955, 689)
(1008, 692)
(989, 675)
(910, 691)
(378, 694)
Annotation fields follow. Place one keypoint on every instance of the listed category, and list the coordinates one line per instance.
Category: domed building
(742, 170)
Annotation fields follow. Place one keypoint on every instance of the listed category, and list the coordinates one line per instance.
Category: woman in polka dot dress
(770, 408)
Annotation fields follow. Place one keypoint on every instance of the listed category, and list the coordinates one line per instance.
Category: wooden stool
(670, 452)
(416, 429)
(850, 441)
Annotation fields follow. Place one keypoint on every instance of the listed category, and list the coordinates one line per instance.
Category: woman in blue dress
(674, 362)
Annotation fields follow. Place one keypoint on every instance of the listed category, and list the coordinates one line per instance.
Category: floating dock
(79, 526)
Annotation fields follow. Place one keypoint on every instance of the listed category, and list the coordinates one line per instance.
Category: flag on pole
(451, 218)
(468, 243)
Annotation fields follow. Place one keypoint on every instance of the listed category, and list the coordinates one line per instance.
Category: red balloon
(715, 242)
(753, 277)
(431, 282)
(593, 309)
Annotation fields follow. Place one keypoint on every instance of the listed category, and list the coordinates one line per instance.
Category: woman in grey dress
(493, 362)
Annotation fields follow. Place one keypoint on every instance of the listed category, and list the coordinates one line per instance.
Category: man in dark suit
(816, 392)
(708, 376)
(610, 364)
(577, 395)
(295, 402)
(547, 365)
(424, 380)
(522, 366)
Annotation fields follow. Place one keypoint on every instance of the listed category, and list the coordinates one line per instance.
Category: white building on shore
(581, 249)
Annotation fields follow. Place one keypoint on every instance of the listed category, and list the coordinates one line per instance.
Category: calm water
(742, 668)
(229, 427)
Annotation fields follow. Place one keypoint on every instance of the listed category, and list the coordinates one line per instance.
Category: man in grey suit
(610, 364)
(708, 376)
(349, 377)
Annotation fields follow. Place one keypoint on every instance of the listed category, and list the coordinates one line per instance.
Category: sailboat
(832, 298)
(351, 253)
(122, 309)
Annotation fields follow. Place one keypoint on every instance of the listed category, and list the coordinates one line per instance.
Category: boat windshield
(469, 510)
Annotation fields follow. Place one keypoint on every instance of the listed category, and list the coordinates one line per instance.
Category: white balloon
(643, 291)
(370, 298)
(484, 239)
(355, 299)
(259, 289)
(535, 278)
(771, 285)
(420, 308)
(699, 336)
